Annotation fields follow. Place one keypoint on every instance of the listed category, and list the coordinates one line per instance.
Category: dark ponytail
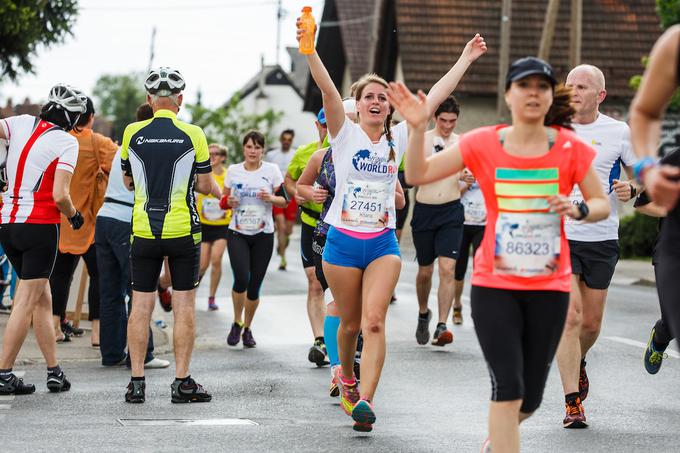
(561, 112)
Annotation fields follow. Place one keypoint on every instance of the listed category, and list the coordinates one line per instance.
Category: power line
(192, 7)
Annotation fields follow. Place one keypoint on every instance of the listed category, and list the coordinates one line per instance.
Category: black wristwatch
(583, 211)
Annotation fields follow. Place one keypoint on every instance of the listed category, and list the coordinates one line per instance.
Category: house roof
(432, 33)
(356, 27)
(273, 75)
(345, 41)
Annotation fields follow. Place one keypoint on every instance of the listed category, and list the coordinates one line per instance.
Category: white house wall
(283, 98)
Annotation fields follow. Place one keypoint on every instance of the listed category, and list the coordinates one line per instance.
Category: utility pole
(504, 59)
(279, 19)
(548, 29)
(153, 45)
(576, 33)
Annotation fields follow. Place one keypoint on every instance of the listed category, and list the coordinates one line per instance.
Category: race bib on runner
(364, 204)
(250, 217)
(475, 213)
(211, 209)
(527, 245)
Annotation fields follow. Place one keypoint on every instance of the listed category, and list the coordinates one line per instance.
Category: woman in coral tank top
(522, 272)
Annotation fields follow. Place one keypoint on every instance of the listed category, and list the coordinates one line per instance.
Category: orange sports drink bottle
(308, 24)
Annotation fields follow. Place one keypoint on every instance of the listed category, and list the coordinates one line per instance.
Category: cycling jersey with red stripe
(36, 150)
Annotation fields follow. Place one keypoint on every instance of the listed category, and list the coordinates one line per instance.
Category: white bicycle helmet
(65, 97)
(164, 81)
(69, 100)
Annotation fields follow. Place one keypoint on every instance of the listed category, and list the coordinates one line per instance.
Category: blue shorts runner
(344, 250)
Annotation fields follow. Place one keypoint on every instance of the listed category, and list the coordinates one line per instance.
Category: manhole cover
(186, 422)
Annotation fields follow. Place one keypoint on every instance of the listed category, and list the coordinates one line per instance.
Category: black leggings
(249, 257)
(667, 271)
(519, 332)
(62, 277)
(472, 235)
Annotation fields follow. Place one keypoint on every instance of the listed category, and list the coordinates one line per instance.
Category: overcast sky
(215, 44)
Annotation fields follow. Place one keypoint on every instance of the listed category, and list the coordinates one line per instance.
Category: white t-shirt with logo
(611, 140)
(365, 178)
(280, 158)
(252, 215)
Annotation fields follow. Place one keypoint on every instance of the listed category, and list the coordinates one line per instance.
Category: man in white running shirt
(594, 246)
(437, 228)
(284, 218)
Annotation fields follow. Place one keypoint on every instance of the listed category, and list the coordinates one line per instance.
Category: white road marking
(187, 422)
(640, 345)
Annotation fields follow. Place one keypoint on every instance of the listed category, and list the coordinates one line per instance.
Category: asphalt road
(429, 399)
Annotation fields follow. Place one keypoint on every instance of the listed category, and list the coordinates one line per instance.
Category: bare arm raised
(419, 168)
(474, 49)
(332, 101)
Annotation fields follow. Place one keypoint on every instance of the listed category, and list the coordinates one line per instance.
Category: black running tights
(249, 257)
(519, 332)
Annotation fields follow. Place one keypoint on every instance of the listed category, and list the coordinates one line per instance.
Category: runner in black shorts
(39, 165)
(662, 182)
(164, 160)
(437, 227)
(309, 216)
(594, 247)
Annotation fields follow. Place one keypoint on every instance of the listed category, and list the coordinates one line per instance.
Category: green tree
(118, 96)
(228, 124)
(669, 14)
(25, 25)
(635, 81)
(668, 11)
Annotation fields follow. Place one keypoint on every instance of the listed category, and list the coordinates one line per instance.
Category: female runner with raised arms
(522, 273)
(361, 256)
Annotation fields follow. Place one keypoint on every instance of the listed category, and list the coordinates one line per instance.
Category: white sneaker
(156, 363)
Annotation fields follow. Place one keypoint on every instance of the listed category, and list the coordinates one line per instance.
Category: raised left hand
(474, 49)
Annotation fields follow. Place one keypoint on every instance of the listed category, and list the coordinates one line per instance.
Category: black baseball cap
(524, 67)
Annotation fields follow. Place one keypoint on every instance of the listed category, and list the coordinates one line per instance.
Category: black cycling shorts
(317, 247)
(472, 235)
(31, 248)
(212, 233)
(519, 332)
(437, 230)
(146, 261)
(595, 262)
(306, 239)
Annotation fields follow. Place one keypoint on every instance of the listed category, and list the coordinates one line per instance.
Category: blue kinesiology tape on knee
(330, 335)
